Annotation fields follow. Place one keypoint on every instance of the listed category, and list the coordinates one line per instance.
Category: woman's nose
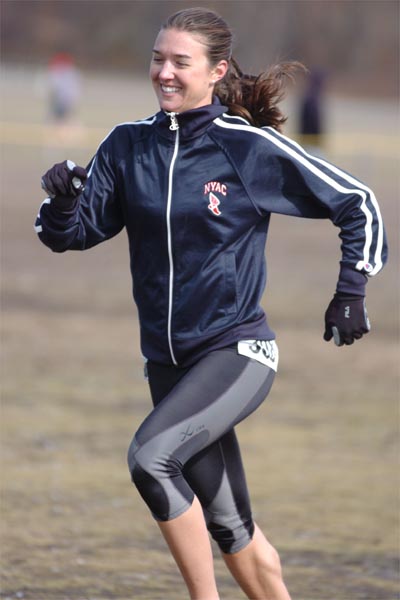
(166, 71)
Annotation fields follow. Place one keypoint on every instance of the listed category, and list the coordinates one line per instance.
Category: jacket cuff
(351, 281)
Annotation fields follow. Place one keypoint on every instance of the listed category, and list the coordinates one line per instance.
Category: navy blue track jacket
(195, 193)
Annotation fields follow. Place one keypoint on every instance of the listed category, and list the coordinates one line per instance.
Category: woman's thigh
(211, 397)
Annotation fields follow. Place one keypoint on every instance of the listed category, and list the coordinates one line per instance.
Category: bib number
(265, 352)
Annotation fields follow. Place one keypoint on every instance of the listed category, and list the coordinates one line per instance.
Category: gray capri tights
(187, 445)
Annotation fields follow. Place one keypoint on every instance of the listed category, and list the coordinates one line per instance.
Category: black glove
(64, 180)
(346, 319)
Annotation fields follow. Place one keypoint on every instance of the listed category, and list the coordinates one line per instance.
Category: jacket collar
(192, 123)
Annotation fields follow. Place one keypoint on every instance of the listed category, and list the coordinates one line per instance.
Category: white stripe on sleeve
(368, 214)
(292, 148)
(39, 228)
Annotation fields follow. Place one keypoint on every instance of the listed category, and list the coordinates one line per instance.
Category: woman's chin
(170, 107)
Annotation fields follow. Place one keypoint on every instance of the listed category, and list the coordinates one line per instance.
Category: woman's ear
(219, 71)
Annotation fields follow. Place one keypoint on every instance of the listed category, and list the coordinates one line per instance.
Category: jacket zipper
(174, 126)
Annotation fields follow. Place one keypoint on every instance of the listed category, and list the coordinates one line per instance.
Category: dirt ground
(321, 454)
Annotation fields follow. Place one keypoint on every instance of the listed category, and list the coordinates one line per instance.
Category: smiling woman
(195, 186)
(180, 71)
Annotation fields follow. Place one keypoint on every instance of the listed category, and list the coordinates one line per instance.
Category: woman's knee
(139, 471)
(264, 556)
(145, 464)
(153, 458)
(230, 531)
(158, 478)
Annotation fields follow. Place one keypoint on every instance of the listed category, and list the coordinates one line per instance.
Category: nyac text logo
(211, 189)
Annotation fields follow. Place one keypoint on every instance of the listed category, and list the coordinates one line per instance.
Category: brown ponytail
(257, 98)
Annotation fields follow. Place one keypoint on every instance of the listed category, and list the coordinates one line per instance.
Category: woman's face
(180, 72)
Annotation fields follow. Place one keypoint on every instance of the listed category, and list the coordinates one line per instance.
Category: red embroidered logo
(214, 201)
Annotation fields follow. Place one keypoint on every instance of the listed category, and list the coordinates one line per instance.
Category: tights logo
(210, 190)
(188, 433)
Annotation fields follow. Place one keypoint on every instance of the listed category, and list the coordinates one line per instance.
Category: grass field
(321, 454)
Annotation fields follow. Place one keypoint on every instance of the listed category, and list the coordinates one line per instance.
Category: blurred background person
(312, 111)
(64, 88)
(64, 91)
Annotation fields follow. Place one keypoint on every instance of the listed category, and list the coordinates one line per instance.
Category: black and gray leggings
(187, 445)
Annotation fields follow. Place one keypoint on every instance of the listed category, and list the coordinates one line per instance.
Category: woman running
(194, 186)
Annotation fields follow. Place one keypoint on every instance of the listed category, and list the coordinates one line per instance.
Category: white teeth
(169, 89)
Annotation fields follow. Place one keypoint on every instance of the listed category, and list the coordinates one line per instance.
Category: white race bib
(265, 352)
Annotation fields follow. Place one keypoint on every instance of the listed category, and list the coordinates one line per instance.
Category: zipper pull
(174, 121)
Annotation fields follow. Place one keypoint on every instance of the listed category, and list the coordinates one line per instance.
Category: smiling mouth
(169, 89)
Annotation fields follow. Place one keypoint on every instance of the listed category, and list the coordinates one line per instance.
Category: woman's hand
(346, 319)
(64, 179)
